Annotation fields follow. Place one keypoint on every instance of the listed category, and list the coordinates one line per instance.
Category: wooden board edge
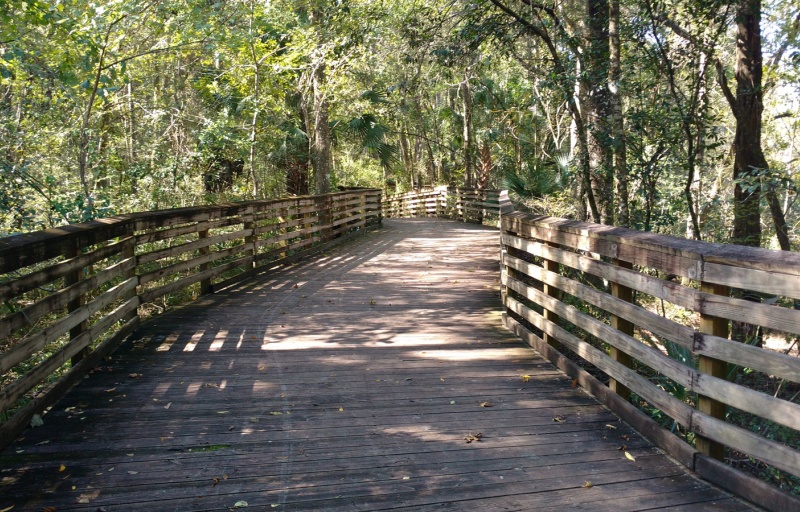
(744, 485)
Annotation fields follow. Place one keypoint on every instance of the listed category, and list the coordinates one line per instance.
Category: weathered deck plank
(346, 383)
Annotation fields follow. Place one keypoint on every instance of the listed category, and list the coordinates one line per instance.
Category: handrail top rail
(754, 258)
(24, 249)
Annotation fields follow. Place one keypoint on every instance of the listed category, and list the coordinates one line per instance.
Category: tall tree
(622, 213)
(747, 107)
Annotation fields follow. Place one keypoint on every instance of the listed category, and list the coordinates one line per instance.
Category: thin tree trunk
(321, 147)
(466, 98)
(622, 217)
(778, 219)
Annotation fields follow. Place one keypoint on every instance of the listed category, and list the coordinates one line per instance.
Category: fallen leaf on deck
(168, 405)
(216, 481)
(525, 378)
(36, 421)
(612, 427)
(473, 437)
(240, 504)
(43, 442)
(486, 404)
(406, 478)
(629, 456)
(9, 508)
(559, 419)
(111, 390)
(341, 409)
(133, 472)
(575, 383)
(623, 448)
(587, 484)
(625, 437)
(62, 468)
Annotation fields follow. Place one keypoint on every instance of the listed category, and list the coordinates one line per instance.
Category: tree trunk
(321, 146)
(598, 110)
(466, 98)
(778, 219)
(749, 158)
(622, 214)
(298, 149)
(484, 165)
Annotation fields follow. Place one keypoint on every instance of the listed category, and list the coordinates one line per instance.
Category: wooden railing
(70, 295)
(579, 287)
(464, 204)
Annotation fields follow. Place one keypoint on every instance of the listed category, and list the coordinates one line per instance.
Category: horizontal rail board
(232, 241)
(60, 299)
(51, 333)
(533, 249)
(58, 270)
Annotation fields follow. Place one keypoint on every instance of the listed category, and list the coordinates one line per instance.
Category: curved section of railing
(464, 204)
(581, 287)
(70, 295)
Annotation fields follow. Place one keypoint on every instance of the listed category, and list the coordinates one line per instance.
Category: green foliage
(119, 106)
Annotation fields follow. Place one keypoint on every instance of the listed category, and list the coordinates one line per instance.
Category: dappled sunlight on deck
(376, 377)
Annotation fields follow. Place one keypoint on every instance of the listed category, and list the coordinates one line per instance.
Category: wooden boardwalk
(351, 382)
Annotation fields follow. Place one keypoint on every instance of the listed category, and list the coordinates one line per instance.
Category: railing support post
(623, 326)
(74, 305)
(554, 292)
(250, 240)
(714, 367)
(285, 217)
(130, 252)
(325, 216)
(205, 284)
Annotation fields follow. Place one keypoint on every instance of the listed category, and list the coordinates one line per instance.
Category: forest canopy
(675, 116)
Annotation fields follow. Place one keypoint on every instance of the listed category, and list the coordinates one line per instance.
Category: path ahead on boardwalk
(377, 376)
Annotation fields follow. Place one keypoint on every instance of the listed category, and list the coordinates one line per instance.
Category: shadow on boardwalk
(351, 382)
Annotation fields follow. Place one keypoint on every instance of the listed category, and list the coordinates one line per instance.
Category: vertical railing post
(130, 252)
(70, 279)
(325, 217)
(554, 292)
(379, 206)
(250, 240)
(625, 327)
(284, 218)
(481, 196)
(205, 284)
(714, 326)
